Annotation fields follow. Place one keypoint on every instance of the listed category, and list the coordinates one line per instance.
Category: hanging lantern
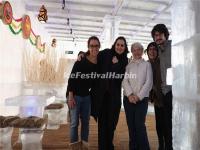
(38, 42)
(26, 26)
(63, 4)
(42, 16)
(6, 13)
(53, 44)
(39, 45)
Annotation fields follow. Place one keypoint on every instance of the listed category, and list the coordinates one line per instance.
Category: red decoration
(26, 27)
(6, 13)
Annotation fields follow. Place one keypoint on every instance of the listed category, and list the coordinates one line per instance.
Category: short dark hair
(93, 38)
(121, 38)
(161, 28)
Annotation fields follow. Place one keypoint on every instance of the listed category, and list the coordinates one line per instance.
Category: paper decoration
(6, 13)
(26, 27)
(17, 26)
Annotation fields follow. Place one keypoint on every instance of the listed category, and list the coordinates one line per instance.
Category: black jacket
(111, 85)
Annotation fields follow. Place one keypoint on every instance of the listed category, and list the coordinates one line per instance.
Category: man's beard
(160, 42)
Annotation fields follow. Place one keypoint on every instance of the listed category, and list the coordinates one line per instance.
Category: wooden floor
(59, 139)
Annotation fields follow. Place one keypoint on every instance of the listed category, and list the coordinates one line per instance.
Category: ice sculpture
(53, 118)
(31, 138)
(5, 138)
(30, 105)
(55, 112)
(186, 71)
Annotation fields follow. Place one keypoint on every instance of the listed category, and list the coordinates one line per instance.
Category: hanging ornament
(20, 25)
(39, 46)
(63, 4)
(53, 44)
(6, 13)
(42, 16)
(26, 27)
(38, 42)
(42, 48)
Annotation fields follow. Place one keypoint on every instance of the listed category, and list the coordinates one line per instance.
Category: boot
(75, 146)
(85, 145)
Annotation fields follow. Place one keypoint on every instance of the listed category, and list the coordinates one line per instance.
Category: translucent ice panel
(185, 19)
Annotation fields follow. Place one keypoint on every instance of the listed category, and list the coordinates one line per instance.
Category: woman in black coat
(106, 94)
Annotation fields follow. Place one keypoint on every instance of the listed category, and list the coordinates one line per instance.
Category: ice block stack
(186, 74)
(6, 130)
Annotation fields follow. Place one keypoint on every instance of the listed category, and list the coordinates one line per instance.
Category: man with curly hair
(160, 35)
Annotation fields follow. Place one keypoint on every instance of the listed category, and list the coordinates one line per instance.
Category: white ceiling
(86, 17)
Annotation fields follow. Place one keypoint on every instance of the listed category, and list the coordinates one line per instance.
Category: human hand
(136, 98)
(114, 60)
(80, 56)
(71, 103)
(131, 99)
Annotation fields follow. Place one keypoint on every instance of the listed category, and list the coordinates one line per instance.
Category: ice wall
(186, 71)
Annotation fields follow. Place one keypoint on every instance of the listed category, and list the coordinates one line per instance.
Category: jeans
(136, 116)
(82, 109)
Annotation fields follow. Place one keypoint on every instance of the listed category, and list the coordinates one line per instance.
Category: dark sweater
(81, 86)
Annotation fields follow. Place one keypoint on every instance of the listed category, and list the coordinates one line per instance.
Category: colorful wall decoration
(17, 26)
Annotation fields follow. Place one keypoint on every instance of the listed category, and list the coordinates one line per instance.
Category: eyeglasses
(94, 46)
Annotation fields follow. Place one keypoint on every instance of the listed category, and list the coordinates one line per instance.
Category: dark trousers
(167, 99)
(136, 116)
(160, 126)
(107, 121)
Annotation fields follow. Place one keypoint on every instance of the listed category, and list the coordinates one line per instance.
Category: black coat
(111, 85)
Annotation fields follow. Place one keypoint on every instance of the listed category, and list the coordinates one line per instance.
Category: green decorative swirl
(13, 31)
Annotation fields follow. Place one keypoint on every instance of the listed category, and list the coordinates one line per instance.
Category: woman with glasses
(79, 100)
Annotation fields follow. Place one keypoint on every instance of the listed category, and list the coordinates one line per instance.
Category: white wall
(11, 52)
(63, 46)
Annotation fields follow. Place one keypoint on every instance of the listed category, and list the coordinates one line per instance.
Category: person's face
(137, 52)
(120, 46)
(94, 48)
(159, 38)
(152, 53)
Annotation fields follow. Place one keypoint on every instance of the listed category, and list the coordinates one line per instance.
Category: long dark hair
(120, 38)
(154, 45)
(161, 28)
